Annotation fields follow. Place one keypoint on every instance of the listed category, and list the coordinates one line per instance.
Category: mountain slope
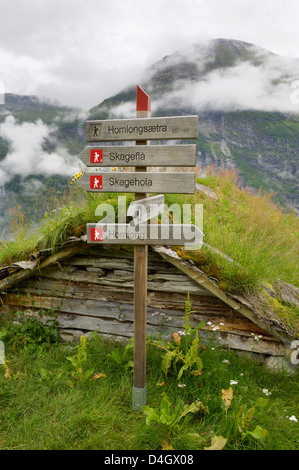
(243, 97)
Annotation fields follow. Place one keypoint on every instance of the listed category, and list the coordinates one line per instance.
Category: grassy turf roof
(250, 249)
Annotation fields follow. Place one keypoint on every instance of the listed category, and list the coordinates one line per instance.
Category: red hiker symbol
(96, 182)
(96, 234)
(96, 156)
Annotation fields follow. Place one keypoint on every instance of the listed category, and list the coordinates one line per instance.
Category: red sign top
(143, 101)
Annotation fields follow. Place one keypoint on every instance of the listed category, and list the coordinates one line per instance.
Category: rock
(281, 364)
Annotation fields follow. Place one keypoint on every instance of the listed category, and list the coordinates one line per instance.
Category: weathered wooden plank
(93, 278)
(197, 275)
(159, 299)
(128, 182)
(124, 312)
(160, 128)
(123, 326)
(101, 262)
(115, 262)
(55, 258)
(142, 155)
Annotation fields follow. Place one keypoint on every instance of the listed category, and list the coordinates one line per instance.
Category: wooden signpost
(144, 234)
(129, 182)
(140, 232)
(146, 209)
(161, 128)
(141, 155)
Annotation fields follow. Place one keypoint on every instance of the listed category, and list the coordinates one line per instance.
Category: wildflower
(233, 382)
(222, 324)
(181, 385)
(226, 361)
(209, 323)
(216, 328)
(266, 391)
(256, 337)
(176, 338)
(293, 418)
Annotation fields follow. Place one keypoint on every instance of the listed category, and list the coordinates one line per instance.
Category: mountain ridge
(261, 144)
(217, 80)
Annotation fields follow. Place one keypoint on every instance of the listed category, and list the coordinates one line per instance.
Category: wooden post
(143, 110)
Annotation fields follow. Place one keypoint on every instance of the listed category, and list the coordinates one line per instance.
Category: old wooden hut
(91, 289)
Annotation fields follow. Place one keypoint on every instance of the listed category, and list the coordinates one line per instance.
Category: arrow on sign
(145, 234)
(139, 155)
(146, 209)
(141, 182)
(161, 128)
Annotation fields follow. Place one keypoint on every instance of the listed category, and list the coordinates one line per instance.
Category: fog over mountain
(246, 98)
(223, 75)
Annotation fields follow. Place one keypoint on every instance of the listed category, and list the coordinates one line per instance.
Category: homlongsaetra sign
(140, 232)
(161, 128)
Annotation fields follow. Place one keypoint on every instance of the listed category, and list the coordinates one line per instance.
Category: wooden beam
(143, 109)
(55, 258)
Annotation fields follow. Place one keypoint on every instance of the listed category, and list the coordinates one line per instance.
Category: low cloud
(27, 155)
(267, 86)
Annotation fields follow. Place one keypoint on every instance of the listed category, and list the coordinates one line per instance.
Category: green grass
(260, 238)
(42, 407)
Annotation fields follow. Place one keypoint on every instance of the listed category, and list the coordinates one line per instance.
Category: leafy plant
(124, 358)
(78, 361)
(170, 415)
(31, 331)
(183, 350)
(245, 419)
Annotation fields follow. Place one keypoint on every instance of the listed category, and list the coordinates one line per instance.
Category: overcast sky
(80, 52)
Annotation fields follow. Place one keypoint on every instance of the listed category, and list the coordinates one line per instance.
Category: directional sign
(161, 128)
(142, 182)
(146, 209)
(144, 234)
(141, 155)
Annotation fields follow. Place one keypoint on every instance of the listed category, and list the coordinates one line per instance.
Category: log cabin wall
(93, 291)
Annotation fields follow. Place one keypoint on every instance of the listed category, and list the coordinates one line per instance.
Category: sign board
(140, 232)
(160, 128)
(142, 182)
(144, 234)
(141, 155)
(146, 209)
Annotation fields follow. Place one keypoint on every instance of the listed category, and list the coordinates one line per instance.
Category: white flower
(293, 418)
(233, 382)
(209, 323)
(266, 391)
(226, 361)
(213, 349)
(181, 385)
(256, 337)
(216, 328)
